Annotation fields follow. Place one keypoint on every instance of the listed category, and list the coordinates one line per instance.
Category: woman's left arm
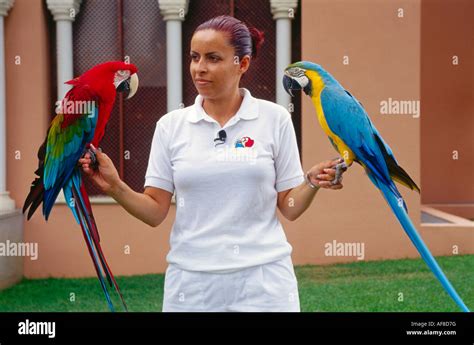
(293, 202)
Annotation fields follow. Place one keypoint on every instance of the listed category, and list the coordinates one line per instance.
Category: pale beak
(133, 85)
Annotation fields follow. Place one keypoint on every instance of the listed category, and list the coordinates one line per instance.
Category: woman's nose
(201, 65)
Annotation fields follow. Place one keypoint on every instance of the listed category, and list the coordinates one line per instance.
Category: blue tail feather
(99, 270)
(425, 253)
(77, 206)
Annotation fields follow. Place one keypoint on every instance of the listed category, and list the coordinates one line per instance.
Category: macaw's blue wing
(347, 119)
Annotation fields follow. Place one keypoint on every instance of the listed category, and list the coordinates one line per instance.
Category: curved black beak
(290, 84)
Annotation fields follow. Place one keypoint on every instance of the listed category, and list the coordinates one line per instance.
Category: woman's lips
(202, 82)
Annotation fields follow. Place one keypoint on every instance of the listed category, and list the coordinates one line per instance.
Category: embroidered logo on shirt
(244, 142)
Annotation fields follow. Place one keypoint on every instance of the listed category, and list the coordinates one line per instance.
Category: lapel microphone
(222, 137)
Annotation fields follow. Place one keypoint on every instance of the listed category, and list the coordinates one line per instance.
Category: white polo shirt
(226, 195)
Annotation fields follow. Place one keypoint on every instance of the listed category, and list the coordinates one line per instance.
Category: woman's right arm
(151, 206)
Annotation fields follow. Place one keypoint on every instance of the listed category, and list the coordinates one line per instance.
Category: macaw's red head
(110, 77)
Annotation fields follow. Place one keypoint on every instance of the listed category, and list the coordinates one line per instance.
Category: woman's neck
(222, 109)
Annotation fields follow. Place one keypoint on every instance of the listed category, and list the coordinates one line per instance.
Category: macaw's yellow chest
(344, 150)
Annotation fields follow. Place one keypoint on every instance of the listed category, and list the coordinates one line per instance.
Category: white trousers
(270, 287)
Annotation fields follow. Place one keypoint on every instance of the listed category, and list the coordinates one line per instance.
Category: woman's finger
(331, 172)
(325, 177)
(332, 164)
(324, 183)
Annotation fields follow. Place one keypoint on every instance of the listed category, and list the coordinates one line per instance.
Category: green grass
(358, 286)
(375, 286)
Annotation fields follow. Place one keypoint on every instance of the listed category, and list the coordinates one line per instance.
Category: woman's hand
(323, 174)
(106, 176)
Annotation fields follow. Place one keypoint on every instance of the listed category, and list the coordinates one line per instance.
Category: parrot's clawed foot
(94, 164)
(340, 168)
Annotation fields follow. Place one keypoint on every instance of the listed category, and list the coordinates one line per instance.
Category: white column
(283, 12)
(173, 12)
(6, 203)
(64, 13)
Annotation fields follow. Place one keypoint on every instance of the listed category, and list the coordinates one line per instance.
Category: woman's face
(215, 70)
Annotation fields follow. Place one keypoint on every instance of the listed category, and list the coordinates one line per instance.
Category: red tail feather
(96, 238)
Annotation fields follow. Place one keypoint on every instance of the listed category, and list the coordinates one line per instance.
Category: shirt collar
(248, 109)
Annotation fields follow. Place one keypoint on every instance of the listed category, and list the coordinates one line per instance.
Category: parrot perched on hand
(353, 135)
(81, 118)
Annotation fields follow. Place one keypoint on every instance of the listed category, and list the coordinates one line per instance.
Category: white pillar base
(6, 203)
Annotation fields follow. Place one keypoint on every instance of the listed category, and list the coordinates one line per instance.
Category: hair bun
(258, 38)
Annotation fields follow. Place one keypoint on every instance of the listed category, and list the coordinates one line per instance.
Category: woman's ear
(244, 64)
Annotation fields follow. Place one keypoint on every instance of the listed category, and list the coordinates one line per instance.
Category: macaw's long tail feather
(95, 236)
(90, 246)
(425, 253)
(83, 213)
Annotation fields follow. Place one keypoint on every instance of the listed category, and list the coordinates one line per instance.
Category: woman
(231, 159)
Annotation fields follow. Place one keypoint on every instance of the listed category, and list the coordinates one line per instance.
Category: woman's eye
(211, 58)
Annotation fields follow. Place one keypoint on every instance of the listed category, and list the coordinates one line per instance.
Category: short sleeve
(289, 173)
(159, 173)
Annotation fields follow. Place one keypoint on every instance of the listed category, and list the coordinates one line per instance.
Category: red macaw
(81, 119)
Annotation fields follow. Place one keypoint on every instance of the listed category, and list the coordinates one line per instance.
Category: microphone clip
(222, 136)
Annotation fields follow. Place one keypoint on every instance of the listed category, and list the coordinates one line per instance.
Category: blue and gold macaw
(353, 135)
